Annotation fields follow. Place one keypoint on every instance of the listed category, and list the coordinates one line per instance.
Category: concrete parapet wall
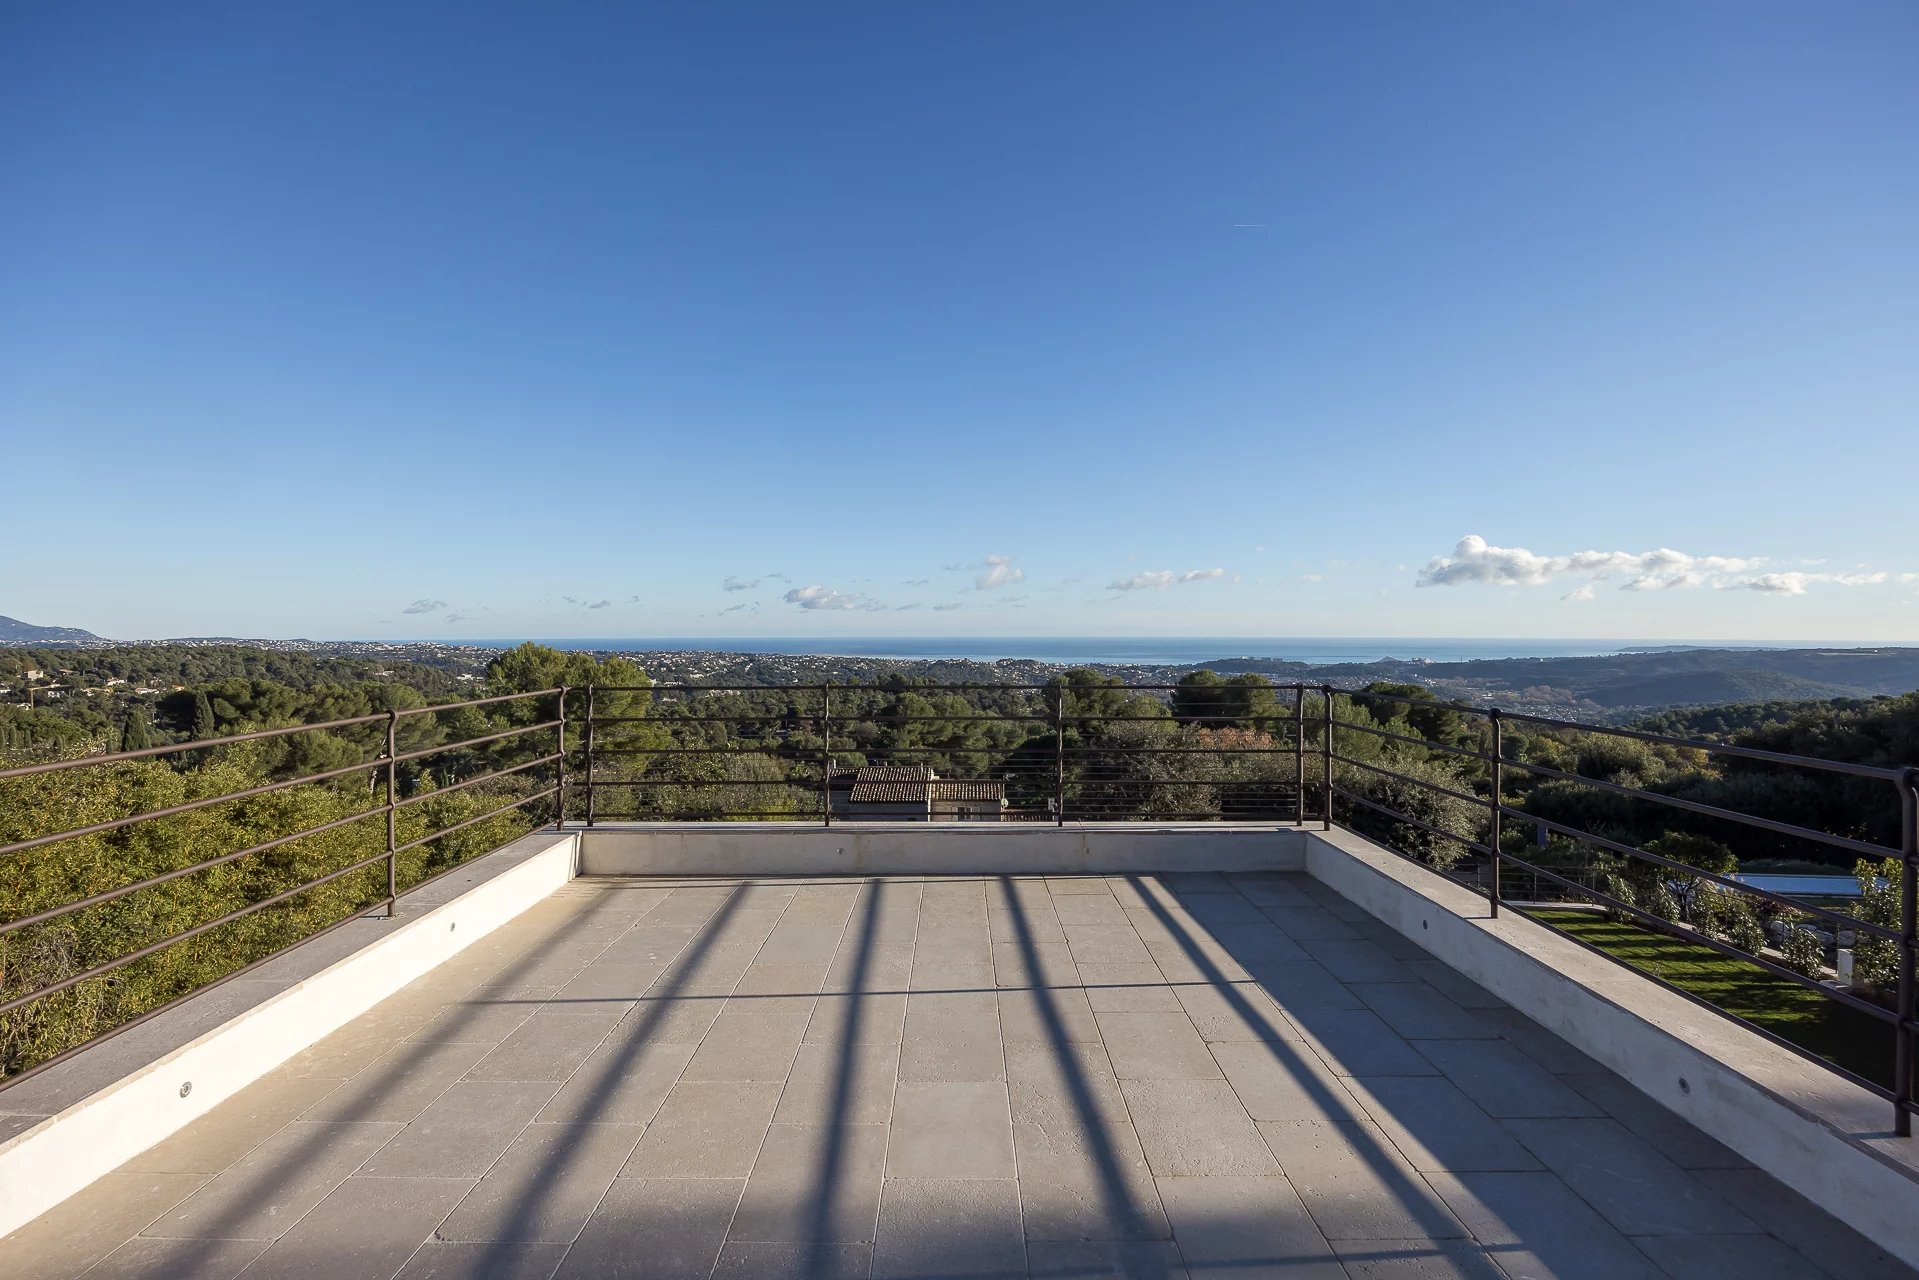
(1822, 1136)
(86, 1116)
(932, 848)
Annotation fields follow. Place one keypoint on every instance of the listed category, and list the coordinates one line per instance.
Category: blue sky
(483, 320)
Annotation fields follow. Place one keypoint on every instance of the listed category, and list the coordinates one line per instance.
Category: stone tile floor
(969, 1078)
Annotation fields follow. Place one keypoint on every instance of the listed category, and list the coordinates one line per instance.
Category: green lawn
(1825, 1027)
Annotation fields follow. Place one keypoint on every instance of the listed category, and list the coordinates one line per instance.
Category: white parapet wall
(93, 1112)
(1829, 1140)
(935, 848)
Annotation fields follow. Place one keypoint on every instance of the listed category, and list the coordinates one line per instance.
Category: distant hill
(1711, 687)
(14, 631)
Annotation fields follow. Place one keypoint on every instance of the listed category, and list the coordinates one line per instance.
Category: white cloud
(1162, 579)
(946, 608)
(1157, 580)
(997, 571)
(600, 604)
(819, 597)
(1795, 584)
(1312, 577)
(425, 606)
(739, 584)
(1475, 560)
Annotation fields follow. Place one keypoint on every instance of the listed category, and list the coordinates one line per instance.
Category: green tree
(136, 735)
(204, 725)
(1201, 698)
(1698, 851)
(1087, 697)
(1433, 720)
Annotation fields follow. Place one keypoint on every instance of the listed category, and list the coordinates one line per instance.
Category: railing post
(1326, 756)
(1908, 945)
(589, 755)
(1299, 755)
(826, 753)
(559, 786)
(1494, 806)
(392, 792)
(1059, 758)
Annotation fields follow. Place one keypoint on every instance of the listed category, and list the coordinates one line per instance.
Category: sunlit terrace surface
(966, 1077)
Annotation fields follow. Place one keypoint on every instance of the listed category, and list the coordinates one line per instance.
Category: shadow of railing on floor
(1109, 1174)
(267, 1181)
(1418, 1200)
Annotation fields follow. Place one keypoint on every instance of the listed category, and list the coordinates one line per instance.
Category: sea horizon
(1150, 650)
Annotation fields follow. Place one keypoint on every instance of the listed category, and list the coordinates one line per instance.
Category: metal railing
(1055, 774)
(381, 771)
(1049, 775)
(1037, 754)
(1903, 782)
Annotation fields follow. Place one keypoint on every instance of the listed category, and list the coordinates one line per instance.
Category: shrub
(1876, 960)
(1662, 904)
(1802, 951)
(1710, 910)
(1617, 886)
(1743, 929)
(1413, 795)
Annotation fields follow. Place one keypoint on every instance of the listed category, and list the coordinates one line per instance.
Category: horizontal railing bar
(1468, 797)
(812, 784)
(1397, 816)
(1740, 886)
(98, 970)
(1417, 742)
(458, 826)
(1665, 927)
(1713, 811)
(174, 748)
(473, 782)
(109, 895)
(1043, 718)
(764, 749)
(475, 702)
(1428, 704)
(205, 802)
(207, 744)
(445, 747)
(357, 913)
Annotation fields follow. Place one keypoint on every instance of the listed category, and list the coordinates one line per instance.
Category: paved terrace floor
(967, 1078)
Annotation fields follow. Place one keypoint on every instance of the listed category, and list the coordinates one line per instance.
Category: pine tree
(136, 735)
(203, 722)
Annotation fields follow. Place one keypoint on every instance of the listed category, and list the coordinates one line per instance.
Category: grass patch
(1821, 1026)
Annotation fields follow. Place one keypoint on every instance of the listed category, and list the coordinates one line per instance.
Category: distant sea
(1145, 650)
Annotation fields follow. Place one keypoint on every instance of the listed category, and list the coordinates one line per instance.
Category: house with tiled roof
(914, 793)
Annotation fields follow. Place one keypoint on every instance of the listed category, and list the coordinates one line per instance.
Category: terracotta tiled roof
(891, 784)
(917, 784)
(953, 789)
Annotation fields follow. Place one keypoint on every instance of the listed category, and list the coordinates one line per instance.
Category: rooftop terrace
(1290, 988)
(1142, 1075)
